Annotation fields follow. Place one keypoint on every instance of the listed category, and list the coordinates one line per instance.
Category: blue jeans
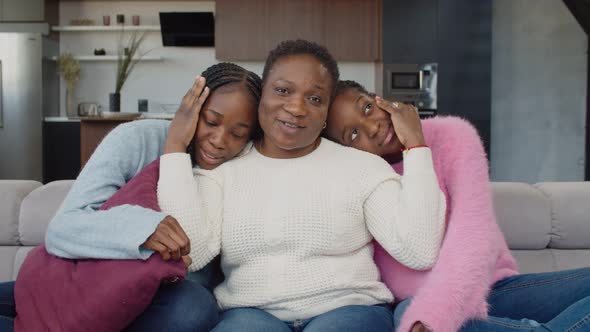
(540, 302)
(7, 306)
(183, 306)
(353, 318)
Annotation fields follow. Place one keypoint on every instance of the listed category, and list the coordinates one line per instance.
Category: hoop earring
(325, 125)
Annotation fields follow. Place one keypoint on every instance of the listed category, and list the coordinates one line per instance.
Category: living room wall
(538, 92)
(164, 82)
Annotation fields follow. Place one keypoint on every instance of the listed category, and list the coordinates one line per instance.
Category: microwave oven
(414, 84)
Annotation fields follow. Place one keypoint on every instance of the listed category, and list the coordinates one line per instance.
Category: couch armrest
(37, 210)
(12, 193)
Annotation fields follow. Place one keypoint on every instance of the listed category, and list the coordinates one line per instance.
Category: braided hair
(228, 77)
(298, 47)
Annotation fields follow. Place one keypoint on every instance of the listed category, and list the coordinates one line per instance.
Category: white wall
(538, 92)
(162, 82)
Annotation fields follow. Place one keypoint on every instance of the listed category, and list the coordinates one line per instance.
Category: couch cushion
(534, 261)
(523, 213)
(19, 258)
(570, 214)
(12, 192)
(571, 259)
(549, 260)
(38, 208)
(7, 255)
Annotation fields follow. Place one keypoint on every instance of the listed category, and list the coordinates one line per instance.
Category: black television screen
(187, 28)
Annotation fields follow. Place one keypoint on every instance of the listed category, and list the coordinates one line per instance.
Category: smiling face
(354, 120)
(226, 123)
(294, 105)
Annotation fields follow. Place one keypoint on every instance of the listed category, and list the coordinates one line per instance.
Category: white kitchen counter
(164, 116)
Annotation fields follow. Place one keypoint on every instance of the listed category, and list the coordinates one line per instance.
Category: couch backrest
(546, 225)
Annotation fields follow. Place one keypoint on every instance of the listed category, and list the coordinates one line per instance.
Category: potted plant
(69, 68)
(127, 58)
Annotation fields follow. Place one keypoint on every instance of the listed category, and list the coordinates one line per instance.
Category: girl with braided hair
(228, 119)
(226, 124)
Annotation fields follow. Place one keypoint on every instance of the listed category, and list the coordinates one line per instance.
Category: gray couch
(547, 225)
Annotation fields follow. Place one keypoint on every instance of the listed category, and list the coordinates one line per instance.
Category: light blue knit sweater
(79, 229)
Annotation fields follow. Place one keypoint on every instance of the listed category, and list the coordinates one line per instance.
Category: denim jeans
(7, 306)
(353, 318)
(183, 306)
(540, 302)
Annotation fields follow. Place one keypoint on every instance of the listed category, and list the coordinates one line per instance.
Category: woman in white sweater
(293, 219)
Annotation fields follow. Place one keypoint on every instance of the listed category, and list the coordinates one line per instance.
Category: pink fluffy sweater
(474, 254)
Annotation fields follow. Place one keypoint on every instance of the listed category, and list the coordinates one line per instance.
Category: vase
(70, 111)
(115, 102)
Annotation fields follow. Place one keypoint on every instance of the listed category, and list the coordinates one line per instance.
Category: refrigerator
(21, 109)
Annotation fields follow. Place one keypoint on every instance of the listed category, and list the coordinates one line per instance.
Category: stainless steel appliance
(89, 109)
(413, 84)
(21, 114)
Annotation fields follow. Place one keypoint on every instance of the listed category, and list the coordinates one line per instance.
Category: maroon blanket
(55, 294)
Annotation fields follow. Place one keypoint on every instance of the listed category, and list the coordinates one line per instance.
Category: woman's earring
(325, 124)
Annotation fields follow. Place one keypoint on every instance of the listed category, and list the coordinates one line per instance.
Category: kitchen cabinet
(293, 20)
(248, 30)
(352, 29)
(410, 31)
(465, 62)
(456, 34)
(61, 150)
(240, 30)
(22, 10)
(92, 131)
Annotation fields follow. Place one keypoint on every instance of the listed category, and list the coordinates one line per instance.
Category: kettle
(89, 109)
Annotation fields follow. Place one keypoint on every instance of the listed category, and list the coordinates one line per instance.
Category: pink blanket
(55, 294)
(474, 254)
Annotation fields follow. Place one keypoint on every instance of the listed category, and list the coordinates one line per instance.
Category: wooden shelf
(109, 58)
(106, 28)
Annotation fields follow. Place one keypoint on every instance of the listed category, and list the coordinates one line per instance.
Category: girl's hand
(169, 239)
(406, 121)
(183, 126)
(187, 260)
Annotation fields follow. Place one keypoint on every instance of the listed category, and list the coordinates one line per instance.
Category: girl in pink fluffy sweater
(475, 285)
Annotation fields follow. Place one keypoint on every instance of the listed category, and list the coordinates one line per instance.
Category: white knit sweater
(295, 234)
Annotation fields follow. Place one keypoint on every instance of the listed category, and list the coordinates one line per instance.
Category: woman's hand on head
(406, 121)
(169, 239)
(183, 126)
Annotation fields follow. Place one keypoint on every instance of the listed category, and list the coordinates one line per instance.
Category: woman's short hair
(298, 47)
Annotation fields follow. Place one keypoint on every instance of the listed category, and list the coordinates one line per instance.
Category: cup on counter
(142, 105)
(135, 19)
(106, 20)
